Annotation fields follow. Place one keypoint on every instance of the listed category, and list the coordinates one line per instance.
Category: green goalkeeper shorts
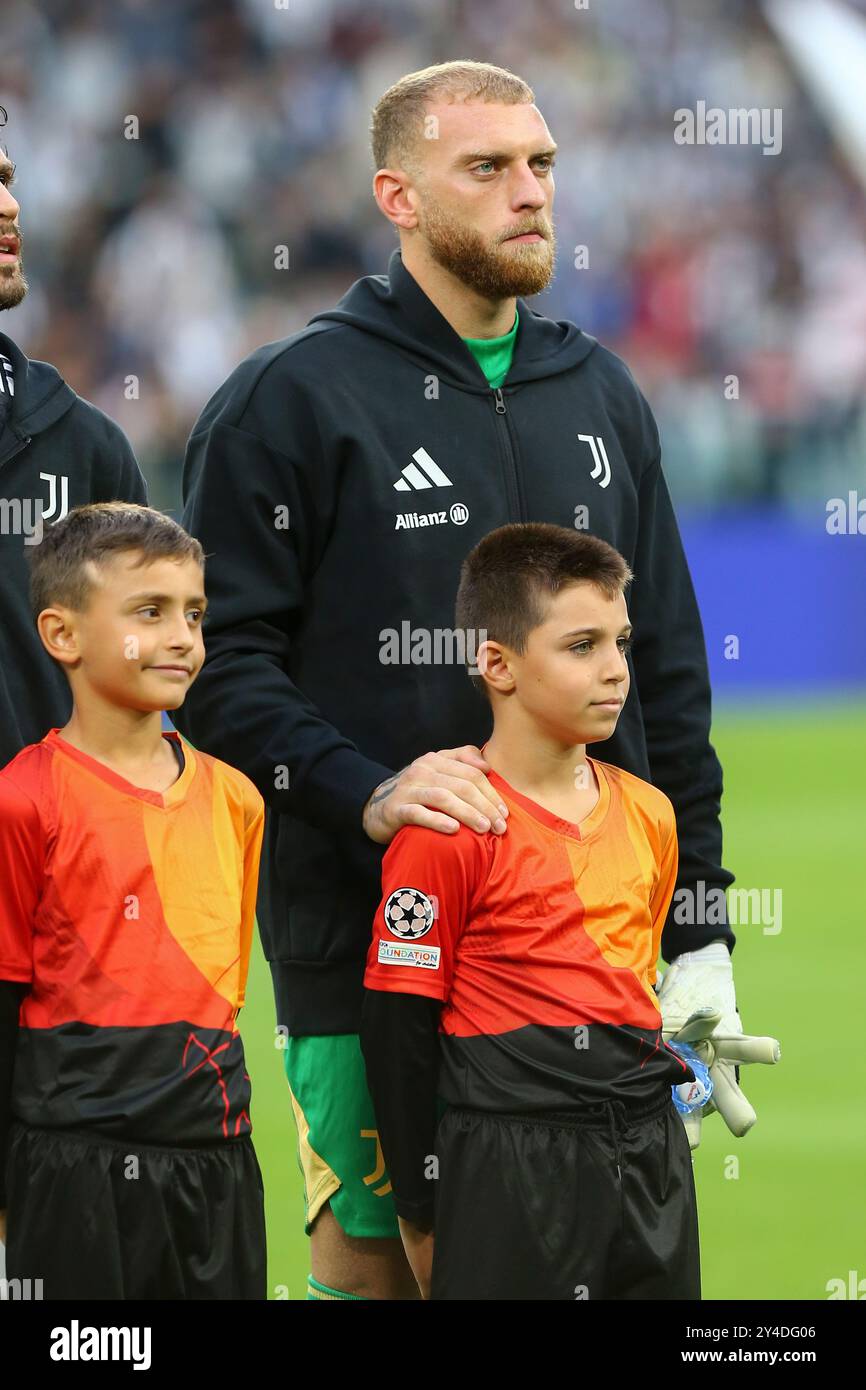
(339, 1153)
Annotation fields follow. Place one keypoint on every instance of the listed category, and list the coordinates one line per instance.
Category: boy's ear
(491, 663)
(57, 634)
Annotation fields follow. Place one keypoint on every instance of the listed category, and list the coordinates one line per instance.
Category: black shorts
(102, 1218)
(560, 1207)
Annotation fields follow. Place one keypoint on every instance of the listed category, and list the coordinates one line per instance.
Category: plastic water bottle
(691, 1095)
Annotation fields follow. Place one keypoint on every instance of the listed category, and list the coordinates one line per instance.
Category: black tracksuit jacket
(304, 482)
(62, 450)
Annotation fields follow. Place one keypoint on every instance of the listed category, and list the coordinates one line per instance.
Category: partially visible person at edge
(57, 451)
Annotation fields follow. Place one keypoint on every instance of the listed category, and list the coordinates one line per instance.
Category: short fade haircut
(397, 132)
(506, 580)
(97, 531)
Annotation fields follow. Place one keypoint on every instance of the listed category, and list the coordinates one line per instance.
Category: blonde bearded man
(337, 480)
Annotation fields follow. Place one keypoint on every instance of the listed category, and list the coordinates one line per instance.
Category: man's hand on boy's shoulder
(418, 1245)
(440, 791)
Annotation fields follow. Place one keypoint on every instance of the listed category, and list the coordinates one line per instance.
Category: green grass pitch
(781, 1210)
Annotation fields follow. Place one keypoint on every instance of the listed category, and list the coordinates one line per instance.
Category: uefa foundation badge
(409, 914)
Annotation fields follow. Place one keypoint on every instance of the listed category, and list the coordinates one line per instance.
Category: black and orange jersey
(542, 946)
(129, 915)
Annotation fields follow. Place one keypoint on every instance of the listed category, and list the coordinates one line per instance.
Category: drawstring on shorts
(619, 1116)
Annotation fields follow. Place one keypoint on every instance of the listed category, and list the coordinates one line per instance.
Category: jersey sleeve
(254, 826)
(399, 1037)
(663, 892)
(11, 995)
(21, 873)
(429, 883)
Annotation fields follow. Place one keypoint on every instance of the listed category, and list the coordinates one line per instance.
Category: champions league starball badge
(409, 913)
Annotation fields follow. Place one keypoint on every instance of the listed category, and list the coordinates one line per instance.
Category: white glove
(698, 1007)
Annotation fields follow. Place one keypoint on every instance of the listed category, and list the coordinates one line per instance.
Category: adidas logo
(424, 472)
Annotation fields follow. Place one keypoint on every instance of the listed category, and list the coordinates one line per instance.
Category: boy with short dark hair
(514, 974)
(129, 862)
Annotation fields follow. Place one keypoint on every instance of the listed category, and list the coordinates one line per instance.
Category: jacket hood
(41, 395)
(394, 306)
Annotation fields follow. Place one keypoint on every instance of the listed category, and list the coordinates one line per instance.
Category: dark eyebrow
(198, 600)
(626, 631)
(501, 155)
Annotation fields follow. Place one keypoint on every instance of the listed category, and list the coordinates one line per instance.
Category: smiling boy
(514, 975)
(130, 865)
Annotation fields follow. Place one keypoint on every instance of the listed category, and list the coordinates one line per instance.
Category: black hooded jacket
(337, 480)
(57, 452)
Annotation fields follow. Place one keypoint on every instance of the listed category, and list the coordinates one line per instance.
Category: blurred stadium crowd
(153, 257)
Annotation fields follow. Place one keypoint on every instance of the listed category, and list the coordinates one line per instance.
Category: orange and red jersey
(130, 914)
(542, 946)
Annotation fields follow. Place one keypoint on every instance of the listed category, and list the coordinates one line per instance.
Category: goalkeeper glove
(696, 997)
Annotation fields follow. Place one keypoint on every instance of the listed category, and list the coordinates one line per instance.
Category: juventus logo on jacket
(52, 479)
(600, 465)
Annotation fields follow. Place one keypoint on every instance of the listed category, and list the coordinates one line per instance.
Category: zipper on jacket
(512, 481)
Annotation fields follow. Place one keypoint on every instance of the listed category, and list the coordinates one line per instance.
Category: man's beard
(13, 286)
(493, 270)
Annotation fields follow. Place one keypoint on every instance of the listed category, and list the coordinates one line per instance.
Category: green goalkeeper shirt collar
(494, 355)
